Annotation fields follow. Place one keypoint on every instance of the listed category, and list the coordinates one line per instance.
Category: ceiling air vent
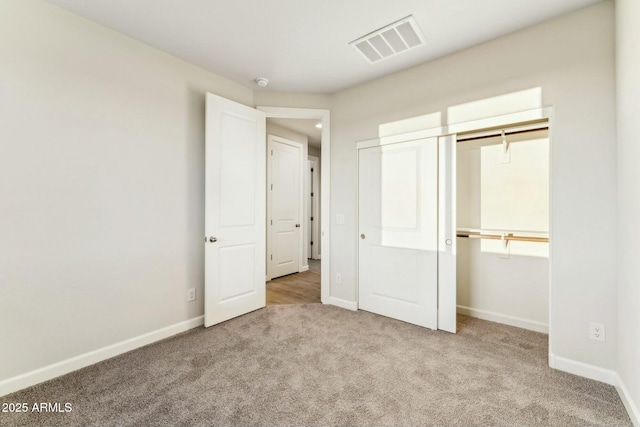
(390, 40)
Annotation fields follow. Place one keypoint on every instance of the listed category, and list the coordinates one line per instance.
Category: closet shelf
(505, 235)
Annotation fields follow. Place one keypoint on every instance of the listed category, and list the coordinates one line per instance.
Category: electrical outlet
(191, 294)
(338, 278)
(596, 331)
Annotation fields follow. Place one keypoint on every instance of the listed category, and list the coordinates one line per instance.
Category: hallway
(299, 288)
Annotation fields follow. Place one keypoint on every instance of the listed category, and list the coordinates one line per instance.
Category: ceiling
(303, 45)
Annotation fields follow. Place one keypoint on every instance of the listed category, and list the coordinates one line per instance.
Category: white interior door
(285, 206)
(234, 210)
(398, 231)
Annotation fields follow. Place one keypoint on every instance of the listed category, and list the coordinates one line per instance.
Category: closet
(502, 225)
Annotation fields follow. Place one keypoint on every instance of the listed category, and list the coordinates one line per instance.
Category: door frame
(301, 249)
(324, 116)
(314, 226)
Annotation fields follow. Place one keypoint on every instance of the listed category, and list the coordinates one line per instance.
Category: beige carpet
(322, 365)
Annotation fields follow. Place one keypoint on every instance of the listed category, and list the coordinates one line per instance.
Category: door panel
(285, 204)
(234, 210)
(398, 220)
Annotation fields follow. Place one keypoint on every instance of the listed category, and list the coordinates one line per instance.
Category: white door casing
(398, 231)
(284, 206)
(234, 210)
(314, 210)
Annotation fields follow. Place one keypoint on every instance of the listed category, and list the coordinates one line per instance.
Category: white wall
(101, 185)
(285, 133)
(314, 151)
(628, 91)
(571, 61)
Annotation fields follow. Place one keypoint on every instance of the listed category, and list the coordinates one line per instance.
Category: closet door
(398, 231)
(447, 242)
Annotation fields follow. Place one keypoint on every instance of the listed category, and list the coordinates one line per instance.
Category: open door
(235, 212)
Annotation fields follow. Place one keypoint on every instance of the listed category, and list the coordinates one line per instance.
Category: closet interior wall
(502, 189)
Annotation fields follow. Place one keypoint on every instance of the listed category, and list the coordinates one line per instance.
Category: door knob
(362, 236)
(213, 239)
(298, 225)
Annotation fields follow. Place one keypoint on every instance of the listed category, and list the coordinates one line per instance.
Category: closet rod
(505, 236)
(494, 134)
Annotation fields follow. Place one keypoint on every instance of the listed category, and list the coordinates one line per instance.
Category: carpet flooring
(314, 364)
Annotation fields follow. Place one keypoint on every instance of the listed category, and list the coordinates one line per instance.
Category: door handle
(213, 239)
(362, 236)
(298, 225)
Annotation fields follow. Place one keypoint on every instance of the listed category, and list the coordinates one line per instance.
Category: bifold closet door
(398, 231)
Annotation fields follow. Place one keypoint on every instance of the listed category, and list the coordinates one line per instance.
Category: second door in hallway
(284, 206)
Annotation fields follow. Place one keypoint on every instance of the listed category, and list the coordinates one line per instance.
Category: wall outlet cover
(596, 331)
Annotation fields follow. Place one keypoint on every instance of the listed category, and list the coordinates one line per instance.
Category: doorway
(293, 205)
(285, 210)
(235, 205)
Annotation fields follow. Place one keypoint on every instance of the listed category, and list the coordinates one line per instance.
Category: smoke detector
(262, 81)
(399, 36)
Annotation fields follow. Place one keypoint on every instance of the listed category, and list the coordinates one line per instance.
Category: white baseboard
(607, 376)
(628, 403)
(339, 302)
(304, 268)
(518, 322)
(46, 373)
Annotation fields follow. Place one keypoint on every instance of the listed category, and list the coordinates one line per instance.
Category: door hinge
(311, 218)
(311, 194)
(271, 222)
(272, 152)
(271, 187)
(311, 243)
(311, 169)
(271, 257)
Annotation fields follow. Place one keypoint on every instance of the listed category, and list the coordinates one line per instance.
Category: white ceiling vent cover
(390, 40)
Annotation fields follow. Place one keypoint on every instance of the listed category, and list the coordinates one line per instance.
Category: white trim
(628, 403)
(475, 125)
(315, 208)
(46, 373)
(339, 302)
(325, 180)
(491, 316)
(304, 268)
(607, 376)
